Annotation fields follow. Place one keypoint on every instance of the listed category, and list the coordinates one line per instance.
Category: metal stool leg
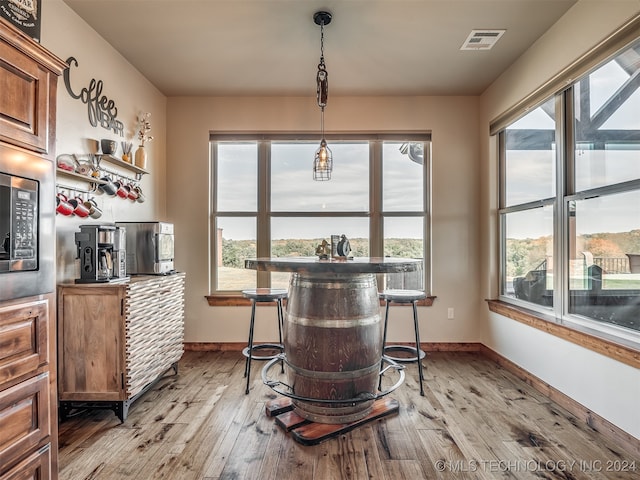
(415, 324)
(247, 367)
(384, 340)
(280, 325)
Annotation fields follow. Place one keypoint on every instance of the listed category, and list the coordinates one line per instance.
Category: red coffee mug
(79, 208)
(63, 206)
(133, 193)
(121, 191)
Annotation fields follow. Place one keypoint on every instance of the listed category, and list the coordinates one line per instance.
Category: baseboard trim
(623, 439)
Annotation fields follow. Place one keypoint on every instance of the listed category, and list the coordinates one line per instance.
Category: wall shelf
(78, 176)
(97, 160)
(121, 163)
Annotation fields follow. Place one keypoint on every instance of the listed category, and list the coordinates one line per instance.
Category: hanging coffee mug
(63, 207)
(108, 186)
(78, 207)
(121, 189)
(133, 192)
(94, 210)
(141, 198)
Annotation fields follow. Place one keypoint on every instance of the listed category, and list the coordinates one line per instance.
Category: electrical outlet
(450, 313)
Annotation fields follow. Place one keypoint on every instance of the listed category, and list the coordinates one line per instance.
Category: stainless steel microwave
(149, 247)
(18, 224)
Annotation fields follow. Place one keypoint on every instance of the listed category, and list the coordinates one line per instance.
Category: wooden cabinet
(28, 82)
(115, 340)
(28, 398)
(27, 401)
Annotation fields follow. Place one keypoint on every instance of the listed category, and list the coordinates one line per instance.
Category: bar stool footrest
(403, 348)
(263, 346)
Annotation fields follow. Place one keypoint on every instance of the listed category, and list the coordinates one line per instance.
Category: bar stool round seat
(415, 352)
(262, 295)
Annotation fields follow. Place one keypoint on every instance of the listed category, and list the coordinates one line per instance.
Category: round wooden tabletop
(351, 265)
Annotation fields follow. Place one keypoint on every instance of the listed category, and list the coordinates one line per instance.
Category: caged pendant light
(323, 161)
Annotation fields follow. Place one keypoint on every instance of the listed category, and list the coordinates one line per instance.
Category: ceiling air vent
(482, 39)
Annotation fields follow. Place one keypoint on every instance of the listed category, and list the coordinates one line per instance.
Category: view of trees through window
(598, 209)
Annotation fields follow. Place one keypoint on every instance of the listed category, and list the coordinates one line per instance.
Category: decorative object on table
(144, 127)
(344, 247)
(126, 151)
(323, 160)
(334, 245)
(108, 146)
(323, 250)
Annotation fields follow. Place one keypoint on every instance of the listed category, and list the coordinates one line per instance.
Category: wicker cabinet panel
(154, 329)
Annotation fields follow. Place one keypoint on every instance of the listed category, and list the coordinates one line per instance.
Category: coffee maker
(101, 253)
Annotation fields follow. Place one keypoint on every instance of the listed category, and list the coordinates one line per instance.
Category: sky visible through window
(616, 163)
(294, 190)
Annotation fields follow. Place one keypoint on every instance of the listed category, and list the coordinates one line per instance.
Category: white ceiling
(272, 47)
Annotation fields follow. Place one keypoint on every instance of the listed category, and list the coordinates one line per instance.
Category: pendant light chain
(323, 160)
(322, 77)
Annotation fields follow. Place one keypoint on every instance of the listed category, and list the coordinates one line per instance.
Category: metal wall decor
(100, 109)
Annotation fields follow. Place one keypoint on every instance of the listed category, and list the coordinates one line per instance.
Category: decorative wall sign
(24, 14)
(100, 109)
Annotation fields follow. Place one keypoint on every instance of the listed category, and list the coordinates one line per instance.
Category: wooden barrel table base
(332, 335)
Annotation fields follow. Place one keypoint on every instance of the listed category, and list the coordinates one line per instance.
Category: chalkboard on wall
(24, 14)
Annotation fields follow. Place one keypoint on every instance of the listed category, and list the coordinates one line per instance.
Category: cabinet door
(24, 103)
(36, 466)
(24, 418)
(90, 342)
(23, 340)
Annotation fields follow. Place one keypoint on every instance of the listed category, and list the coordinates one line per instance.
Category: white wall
(607, 387)
(66, 35)
(454, 127)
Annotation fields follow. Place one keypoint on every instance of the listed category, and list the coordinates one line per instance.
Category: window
(570, 197)
(529, 166)
(266, 203)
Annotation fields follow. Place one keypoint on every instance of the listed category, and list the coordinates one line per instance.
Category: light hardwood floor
(476, 420)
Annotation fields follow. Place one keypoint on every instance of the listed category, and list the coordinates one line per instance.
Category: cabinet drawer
(36, 466)
(24, 418)
(23, 340)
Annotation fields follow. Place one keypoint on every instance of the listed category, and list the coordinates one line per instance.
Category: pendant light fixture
(323, 161)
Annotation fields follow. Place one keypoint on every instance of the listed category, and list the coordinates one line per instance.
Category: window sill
(240, 301)
(608, 348)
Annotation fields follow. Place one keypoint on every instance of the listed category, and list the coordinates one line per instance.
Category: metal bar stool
(262, 295)
(403, 296)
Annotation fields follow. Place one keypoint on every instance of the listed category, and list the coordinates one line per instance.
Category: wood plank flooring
(476, 420)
